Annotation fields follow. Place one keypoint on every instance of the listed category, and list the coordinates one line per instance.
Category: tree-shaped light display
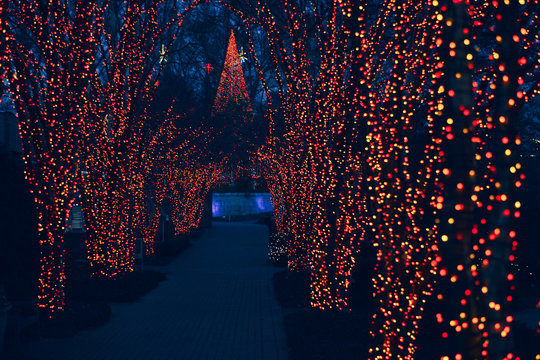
(232, 85)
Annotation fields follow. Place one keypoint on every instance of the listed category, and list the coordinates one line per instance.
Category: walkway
(217, 303)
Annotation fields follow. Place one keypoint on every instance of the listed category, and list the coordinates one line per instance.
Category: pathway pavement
(217, 303)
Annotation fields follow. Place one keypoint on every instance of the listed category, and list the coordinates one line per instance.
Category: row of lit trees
(82, 77)
(395, 122)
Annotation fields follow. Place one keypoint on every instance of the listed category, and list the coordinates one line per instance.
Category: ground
(218, 302)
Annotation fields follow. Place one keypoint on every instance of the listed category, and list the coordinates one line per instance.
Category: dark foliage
(173, 246)
(129, 288)
(18, 245)
(314, 335)
(292, 289)
(77, 316)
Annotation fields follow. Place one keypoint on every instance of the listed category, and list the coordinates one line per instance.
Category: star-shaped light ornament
(242, 55)
(162, 54)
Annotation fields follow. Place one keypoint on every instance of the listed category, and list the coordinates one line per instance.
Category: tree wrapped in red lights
(48, 53)
(491, 53)
(156, 169)
(338, 197)
(189, 189)
(185, 171)
(286, 158)
(279, 209)
(395, 83)
(175, 173)
(114, 156)
(232, 113)
(309, 147)
(232, 85)
(290, 184)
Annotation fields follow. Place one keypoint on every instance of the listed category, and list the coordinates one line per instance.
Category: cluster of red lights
(482, 170)
(189, 188)
(232, 85)
(364, 147)
(401, 131)
(82, 87)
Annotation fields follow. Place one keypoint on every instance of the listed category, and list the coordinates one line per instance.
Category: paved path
(217, 303)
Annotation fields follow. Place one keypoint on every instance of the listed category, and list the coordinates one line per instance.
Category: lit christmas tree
(232, 110)
(232, 85)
